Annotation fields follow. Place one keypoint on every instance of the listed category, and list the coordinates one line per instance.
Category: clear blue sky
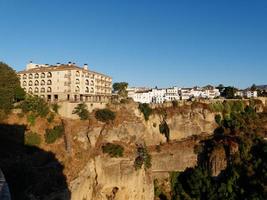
(146, 43)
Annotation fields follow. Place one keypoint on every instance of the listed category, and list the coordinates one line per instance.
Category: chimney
(69, 63)
(58, 64)
(85, 66)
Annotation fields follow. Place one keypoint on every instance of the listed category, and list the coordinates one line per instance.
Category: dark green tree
(10, 90)
(82, 111)
(120, 88)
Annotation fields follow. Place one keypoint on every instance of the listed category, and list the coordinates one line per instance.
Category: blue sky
(146, 43)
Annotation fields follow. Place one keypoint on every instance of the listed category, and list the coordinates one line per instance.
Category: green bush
(32, 139)
(55, 107)
(114, 150)
(143, 158)
(218, 119)
(52, 135)
(145, 109)
(82, 111)
(105, 115)
(31, 119)
(51, 117)
(174, 103)
(35, 105)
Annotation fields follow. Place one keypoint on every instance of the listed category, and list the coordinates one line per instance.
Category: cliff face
(105, 178)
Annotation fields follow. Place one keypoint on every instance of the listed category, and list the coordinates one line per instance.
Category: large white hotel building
(65, 82)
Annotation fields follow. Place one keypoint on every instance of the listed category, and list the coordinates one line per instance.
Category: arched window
(49, 89)
(43, 75)
(49, 82)
(30, 76)
(30, 83)
(86, 82)
(77, 81)
(42, 90)
(49, 75)
(92, 90)
(24, 76)
(24, 83)
(87, 89)
(30, 90)
(77, 73)
(36, 90)
(36, 75)
(42, 82)
(24, 89)
(36, 83)
(77, 89)
(92, 82)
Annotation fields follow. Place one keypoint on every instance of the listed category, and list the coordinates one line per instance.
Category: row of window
(36, 90)
(86, 82)
(77, 89)
(78, 74)
(36, 83)
(36, 75)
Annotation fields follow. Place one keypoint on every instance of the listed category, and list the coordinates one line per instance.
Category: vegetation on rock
(32, 139)
(114, 150)
(145, 109)
(52, 135)
(165, 130)
(82, 111)
(245, 174)
(105, 115)
(143, 158)
(35, 105)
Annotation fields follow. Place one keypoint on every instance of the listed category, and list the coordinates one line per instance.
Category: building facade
(63, 82)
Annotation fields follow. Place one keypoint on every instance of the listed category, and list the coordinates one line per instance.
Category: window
(86, 82)
(36, 90)
(36, 83)
(42, 90)
(42, 82)
(30, 76)
(24, 83)
(77, 81)
(49, 75)
(87, 89)
(30, 90)
(24, 76)
(43, 75)
(30, 83)
(49, 89)
(77, 73)
(49, 82)
(77, 89)
(36, 75)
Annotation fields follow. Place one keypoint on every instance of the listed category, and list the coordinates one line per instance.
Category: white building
(65, 82)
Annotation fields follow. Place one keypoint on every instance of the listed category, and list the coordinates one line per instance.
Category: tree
(253, 87)
(120, 88)
(82, 111)
(145, 109)
(105, 115)
(10, 90)
(229, 92)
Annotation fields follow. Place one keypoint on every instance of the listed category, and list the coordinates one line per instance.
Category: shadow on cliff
(30, 172)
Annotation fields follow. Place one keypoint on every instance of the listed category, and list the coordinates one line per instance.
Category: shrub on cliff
(35, 105)
(82, 111)
(105, 115)
(52, 135)
(32, 139)
(114, 150)
(142, 158)
(145, 109)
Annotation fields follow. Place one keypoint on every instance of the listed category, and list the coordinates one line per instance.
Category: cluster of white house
(146, 95)
(156, 95)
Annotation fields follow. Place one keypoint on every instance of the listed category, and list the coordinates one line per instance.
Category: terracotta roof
(59, 68)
